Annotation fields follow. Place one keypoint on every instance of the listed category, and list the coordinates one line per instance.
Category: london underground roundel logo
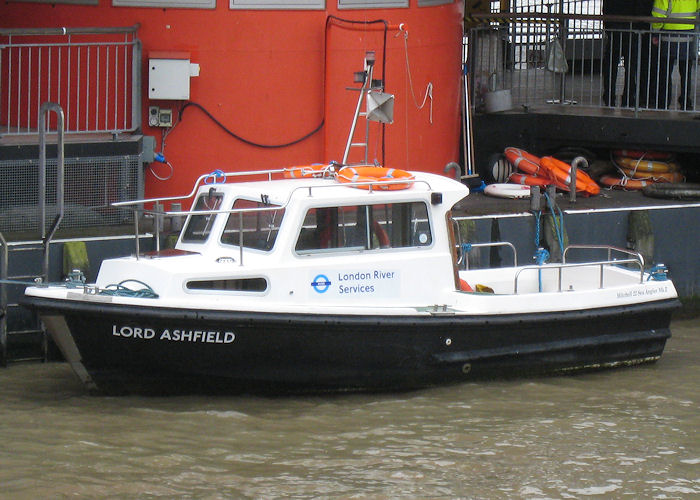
(321, 283)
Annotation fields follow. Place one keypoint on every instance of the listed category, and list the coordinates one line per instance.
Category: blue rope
(541, 255)
(558, 224)
(122, 291)
(214, 177)
(537, 228)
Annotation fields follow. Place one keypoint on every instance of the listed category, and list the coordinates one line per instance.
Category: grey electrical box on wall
(169, 75)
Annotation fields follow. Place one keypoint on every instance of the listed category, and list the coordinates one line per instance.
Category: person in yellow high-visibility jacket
(675, 40)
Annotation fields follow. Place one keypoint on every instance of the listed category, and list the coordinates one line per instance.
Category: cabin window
(199, 226)
(277, 4)
(365, 227)
(256, 224)
(236, 285)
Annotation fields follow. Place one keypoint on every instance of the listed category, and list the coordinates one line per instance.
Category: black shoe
(688, 104)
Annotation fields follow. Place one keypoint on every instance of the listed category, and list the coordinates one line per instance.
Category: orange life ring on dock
(644, 155)
(647, 166)
(305, 171)
(624, 182)
(529, 180)
(654, 176)
(561, 173)
(522, 160)
(364, 177)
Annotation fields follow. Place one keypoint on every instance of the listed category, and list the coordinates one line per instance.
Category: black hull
(237, 352)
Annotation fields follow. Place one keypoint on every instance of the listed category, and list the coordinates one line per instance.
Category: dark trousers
(670, 52)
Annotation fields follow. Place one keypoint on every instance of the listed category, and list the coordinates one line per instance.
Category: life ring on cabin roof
(305, 171)
(382, 178)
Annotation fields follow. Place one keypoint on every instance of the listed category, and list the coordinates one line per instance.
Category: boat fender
(464, 286)
(676, 191)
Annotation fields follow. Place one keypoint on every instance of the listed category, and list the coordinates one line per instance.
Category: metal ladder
(29, 328)
(366, 87)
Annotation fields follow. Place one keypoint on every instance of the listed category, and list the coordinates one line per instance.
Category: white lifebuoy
(508, 190)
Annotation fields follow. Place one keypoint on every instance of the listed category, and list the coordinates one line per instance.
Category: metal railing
(635, 259)
(94, 74)
(542, 59)
(465, 248)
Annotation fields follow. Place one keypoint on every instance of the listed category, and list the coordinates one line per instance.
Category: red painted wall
(268, 77)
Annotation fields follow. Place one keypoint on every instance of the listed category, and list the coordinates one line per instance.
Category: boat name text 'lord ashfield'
(174, 335)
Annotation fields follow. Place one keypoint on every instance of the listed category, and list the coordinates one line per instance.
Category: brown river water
(625, 433)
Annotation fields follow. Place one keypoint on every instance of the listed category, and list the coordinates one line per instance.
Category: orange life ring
(654, 176)
(561, 173)
(522, 160)
(647, 166)
(304, 171)
(646, 155)
(529, 180)
(382, 178)
(624, 182)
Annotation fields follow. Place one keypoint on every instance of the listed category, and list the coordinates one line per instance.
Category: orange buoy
(561, 172)
(646, 155)
(529, 180)
(522, 160)
(366, 177)
(647, 166)
(624, 182)
(654, 176)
